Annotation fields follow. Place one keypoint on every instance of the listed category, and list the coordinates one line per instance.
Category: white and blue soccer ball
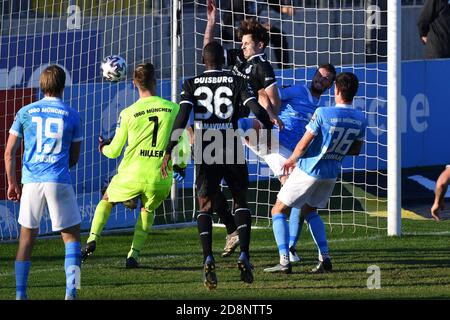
(114, 68)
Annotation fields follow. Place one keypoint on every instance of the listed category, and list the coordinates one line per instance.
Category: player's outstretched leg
(224, 213)
(318, 233)
(295, 227)
(231, 243)
(243, 220)
(281, 232)
(101, 217)
(142, 228)
(204, 225)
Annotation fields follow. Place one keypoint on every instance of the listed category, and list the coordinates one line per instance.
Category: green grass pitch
(415, 265)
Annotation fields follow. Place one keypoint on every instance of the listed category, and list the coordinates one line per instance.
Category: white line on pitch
(94, 266)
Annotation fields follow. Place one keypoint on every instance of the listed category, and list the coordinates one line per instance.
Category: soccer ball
(114, 68)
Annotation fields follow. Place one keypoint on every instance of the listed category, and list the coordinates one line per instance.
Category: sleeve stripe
(78, 139)
(310, 130)
(274, 83)
(225, 55)
(15, 133)
(248, 100)
(187, 101)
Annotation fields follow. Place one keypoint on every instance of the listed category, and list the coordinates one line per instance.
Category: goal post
(175, 34)
(394, 124)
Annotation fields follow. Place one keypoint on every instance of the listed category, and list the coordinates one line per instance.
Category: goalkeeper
(146, 127)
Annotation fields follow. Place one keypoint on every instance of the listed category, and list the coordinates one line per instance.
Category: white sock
(284, 259)
(323, 256)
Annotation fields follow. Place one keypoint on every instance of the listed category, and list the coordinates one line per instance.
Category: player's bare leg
(26, 243)
(27, 240)
(243, 219)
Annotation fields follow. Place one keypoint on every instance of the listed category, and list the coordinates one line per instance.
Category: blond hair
(52, 81)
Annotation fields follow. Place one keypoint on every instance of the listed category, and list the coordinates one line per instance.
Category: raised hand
(211, 10)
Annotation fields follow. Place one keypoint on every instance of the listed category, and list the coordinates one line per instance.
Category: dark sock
(204, 224)
(243, 219)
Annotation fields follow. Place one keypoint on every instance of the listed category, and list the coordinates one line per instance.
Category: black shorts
(209, 176)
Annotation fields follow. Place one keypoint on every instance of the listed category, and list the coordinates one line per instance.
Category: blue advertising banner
(22, 58)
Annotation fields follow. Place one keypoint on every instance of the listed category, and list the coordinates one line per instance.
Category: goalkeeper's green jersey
(146, 125)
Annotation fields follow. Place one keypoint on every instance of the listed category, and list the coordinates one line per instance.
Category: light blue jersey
(335, 130)
(298, 106)
(48, 127)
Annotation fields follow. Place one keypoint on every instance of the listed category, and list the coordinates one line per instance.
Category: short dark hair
(52, 80)
(213, 54)
(347, 83)
(331, 69)
(144, 76)
(258, 32)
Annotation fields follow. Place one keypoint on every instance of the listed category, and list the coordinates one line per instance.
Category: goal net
(78, 34)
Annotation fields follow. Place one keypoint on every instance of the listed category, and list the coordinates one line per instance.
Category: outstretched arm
(248, 99)
(114, 148)
(265, 102)
(267, 86)
(211, 15)
(299, 150)
(274, 97)
(259, 112)
(180, 123)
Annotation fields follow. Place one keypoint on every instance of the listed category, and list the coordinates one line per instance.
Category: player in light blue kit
(332, 133)
(52, 136)
(299, 102)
